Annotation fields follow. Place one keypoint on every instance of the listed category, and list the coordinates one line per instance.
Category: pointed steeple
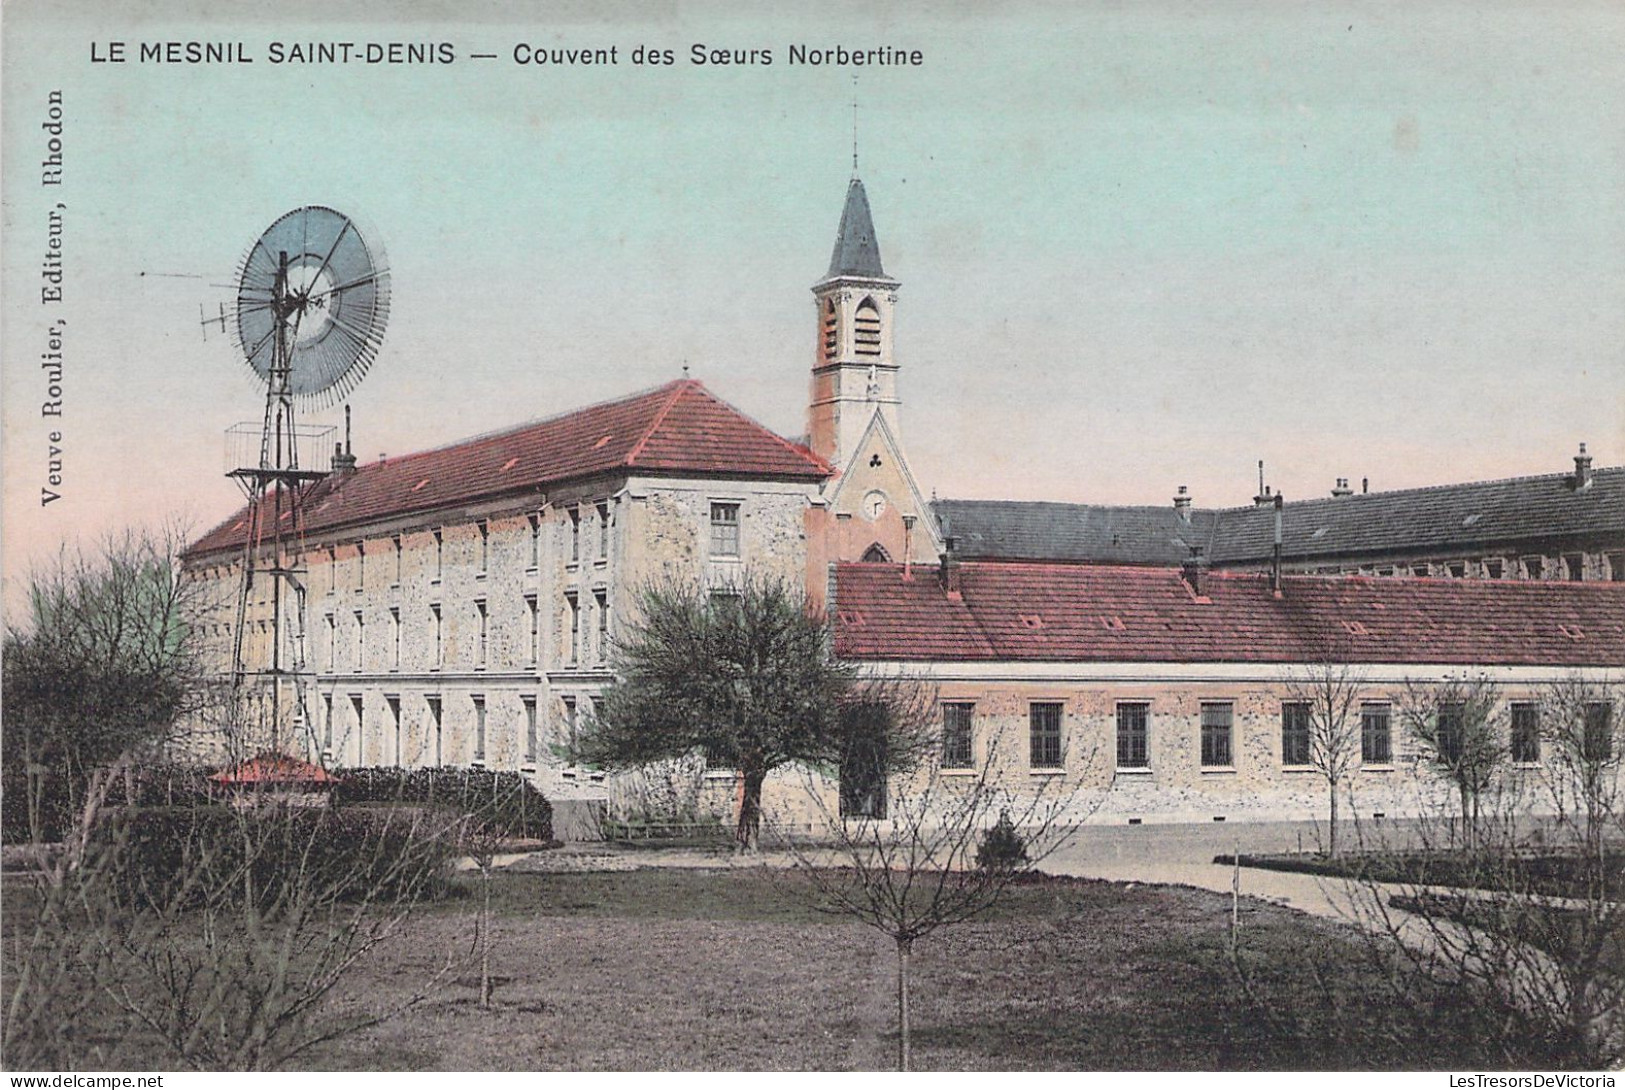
(857, 253)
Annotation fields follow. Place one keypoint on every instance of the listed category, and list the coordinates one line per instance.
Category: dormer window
(866, 329)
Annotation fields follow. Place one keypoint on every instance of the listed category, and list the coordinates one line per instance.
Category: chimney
(343, 459)
(1582, 470)
(1194, 572)
(1263, 497)
(1342, 489)
(908, 546)
(1275, 566)
(948, 576)
(1182, 504)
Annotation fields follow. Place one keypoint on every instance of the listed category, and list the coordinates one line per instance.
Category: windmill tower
(312, 301)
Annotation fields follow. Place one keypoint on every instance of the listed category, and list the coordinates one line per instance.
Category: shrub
(503, 803)
(1002, 847)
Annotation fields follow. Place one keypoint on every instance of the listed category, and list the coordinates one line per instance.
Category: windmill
(312, 300)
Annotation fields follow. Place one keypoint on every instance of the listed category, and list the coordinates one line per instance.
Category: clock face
(873, 504)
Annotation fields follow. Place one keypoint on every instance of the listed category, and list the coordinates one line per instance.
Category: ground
(702, 969)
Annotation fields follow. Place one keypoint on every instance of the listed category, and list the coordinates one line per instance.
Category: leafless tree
(1326, 697)
(103, 668)
(1458, 727)
(942, 850)
(1521, 919)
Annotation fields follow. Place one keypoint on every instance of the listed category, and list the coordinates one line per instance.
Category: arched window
(831, 326)
(875, 554)
(866, 329)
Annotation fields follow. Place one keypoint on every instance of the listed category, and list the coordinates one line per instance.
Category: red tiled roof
(1090, 613)
(678, 428)
(274, 768)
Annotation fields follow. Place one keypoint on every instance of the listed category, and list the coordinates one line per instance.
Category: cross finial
(685, 368)
(854, 124)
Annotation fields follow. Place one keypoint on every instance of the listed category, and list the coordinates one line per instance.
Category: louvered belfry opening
(866, 330)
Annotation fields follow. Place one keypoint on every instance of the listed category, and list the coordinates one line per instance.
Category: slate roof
(1441, 518)
(1107, 613)
(679, 428)
(857, 251)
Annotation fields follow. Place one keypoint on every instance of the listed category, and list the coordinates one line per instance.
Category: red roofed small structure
(275, 769)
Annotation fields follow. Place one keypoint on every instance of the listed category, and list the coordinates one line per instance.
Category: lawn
(734, 969)
(695, 969)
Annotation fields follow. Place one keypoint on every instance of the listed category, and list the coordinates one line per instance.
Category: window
(570, 727)
(1458, 569)
(724, 529)
(479, 727)
(1376, 747)
(575, 535)
(439, 642)
(327, 723)
(360, 734)
(395, 638)
(603, 531)
(1044, 726)
(1616, 567)
(1525, 733)
(482, 646)
(1574, 567)
(394, 704)
(1295, 733)
(956, 735)
(530, 728)
(535, 541)
(485, 548)
(332, 644)
(360, 641)
(573, 605)
(1450, 736)
(830, 329)
(1133, 722)
(1533, 566)
(360, 566)
(1598, 743)
(1492, 569)
(1217, 722)
(1419, 570)
(433, 703)
(396, 541)
(439, 554)
(601, 599)
(535, 629)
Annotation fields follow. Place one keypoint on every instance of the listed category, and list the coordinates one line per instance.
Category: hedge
(504, 803)
(190, 856)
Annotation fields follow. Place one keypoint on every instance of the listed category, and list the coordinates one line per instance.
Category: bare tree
(942, 850)
(1324, 700)
(1518, 922)
(1457, 724)
(104, 667)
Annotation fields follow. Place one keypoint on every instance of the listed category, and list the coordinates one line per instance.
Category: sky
(1141, 245)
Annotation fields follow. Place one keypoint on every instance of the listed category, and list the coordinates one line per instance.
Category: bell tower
(854, 372)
